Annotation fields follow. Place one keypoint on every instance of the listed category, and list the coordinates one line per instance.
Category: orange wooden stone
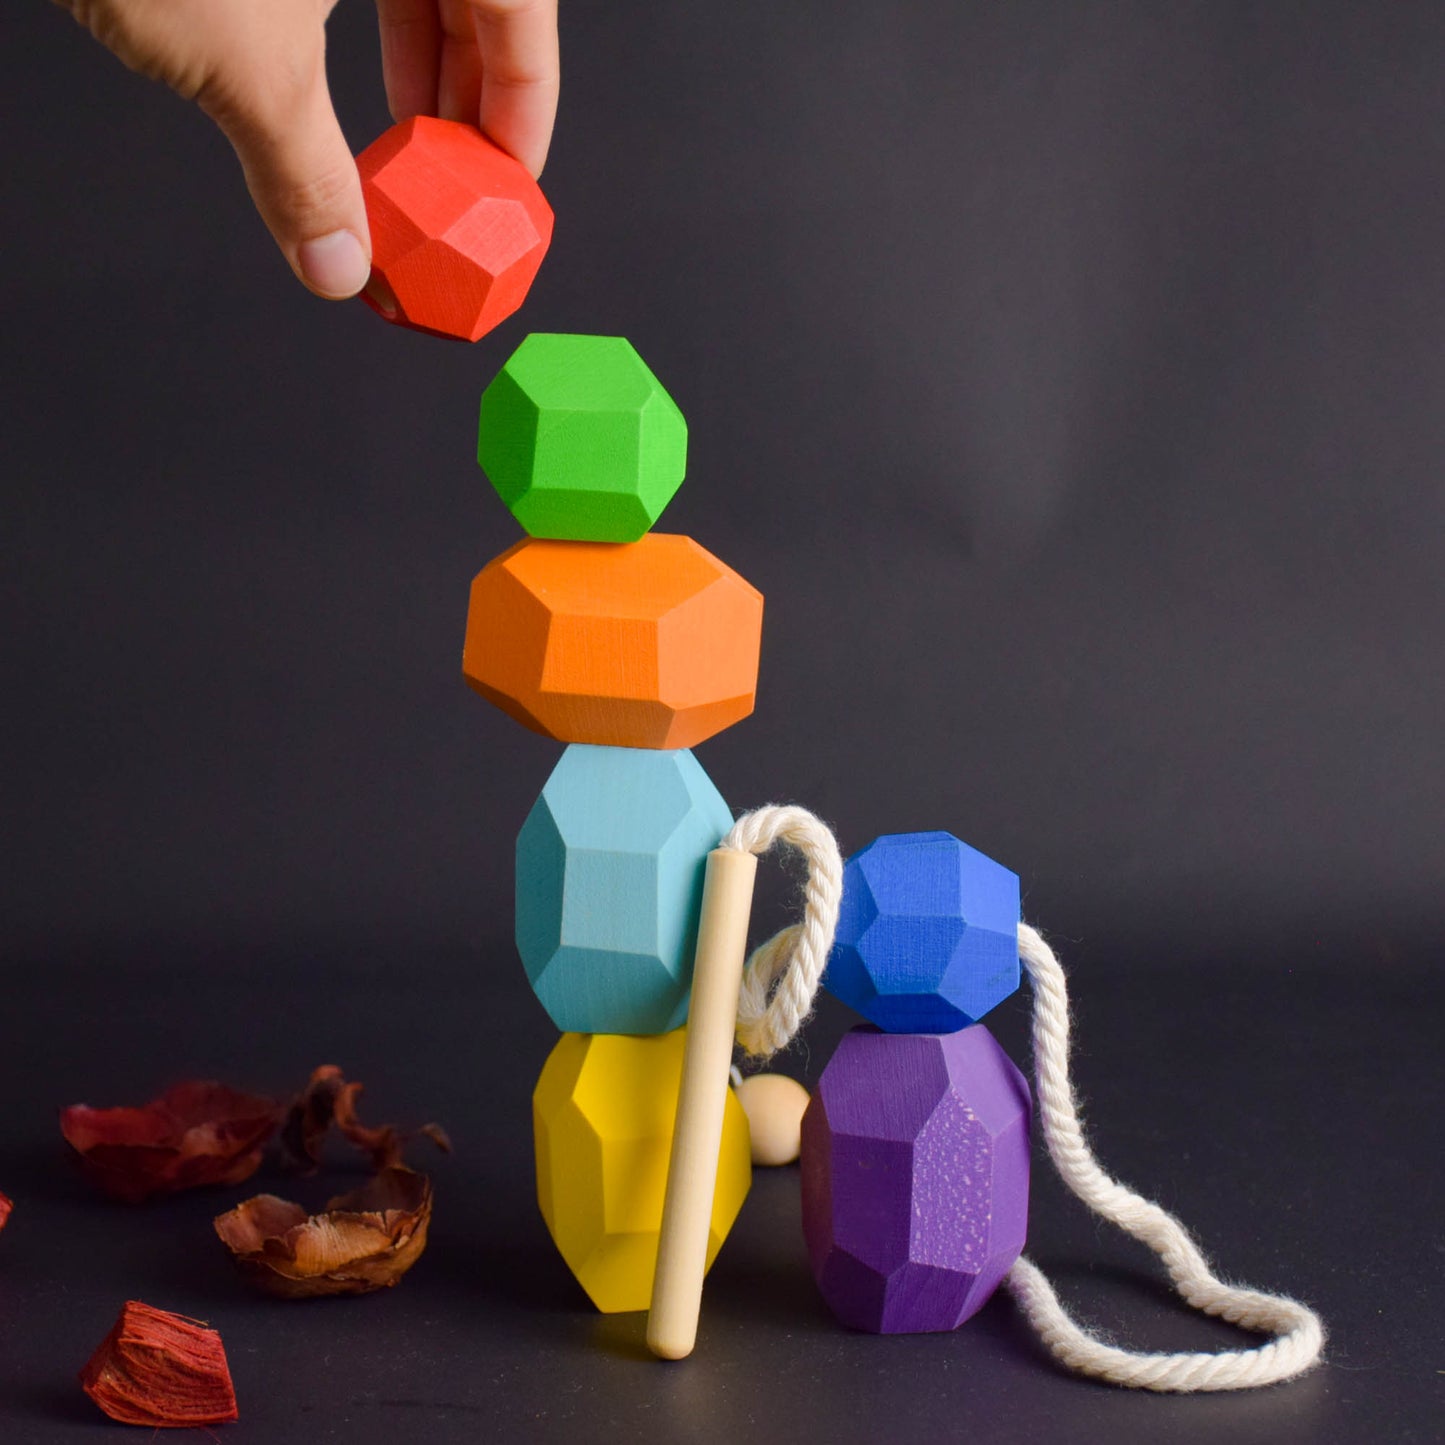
(458, 227)
(648, 644)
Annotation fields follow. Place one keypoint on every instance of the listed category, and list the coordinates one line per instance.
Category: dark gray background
(1070, 380)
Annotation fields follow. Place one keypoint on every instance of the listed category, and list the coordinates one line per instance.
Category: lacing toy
(634, 883)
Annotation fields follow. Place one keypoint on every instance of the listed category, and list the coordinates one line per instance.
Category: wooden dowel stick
(722, 940)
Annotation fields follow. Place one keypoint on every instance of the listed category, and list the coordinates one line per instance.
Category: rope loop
(781, 978)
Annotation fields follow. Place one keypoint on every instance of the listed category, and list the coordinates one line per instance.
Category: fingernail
(334, 265)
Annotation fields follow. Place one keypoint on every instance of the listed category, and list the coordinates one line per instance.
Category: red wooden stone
(458, 227)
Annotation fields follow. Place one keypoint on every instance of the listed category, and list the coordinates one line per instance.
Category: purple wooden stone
(915, 1177)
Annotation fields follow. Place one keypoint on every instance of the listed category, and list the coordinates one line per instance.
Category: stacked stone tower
(630, 646)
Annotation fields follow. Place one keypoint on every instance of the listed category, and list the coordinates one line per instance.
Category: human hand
(258, 69)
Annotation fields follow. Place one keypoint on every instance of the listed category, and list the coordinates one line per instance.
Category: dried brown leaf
(329, 1099)
(363, 1240)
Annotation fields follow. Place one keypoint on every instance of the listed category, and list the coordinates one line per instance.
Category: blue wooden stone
(609, 882)
(927, 935)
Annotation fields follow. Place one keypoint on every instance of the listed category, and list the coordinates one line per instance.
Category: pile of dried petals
(156, 1368)
(200, 1132)
(363, 1241)
(196, 1133)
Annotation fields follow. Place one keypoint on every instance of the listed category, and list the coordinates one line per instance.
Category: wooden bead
(580, 440)
(927, 936)
(774, 1104)
(653, 644)
(602, 1118)
(610, 868)
(458, 227)
(915, 1177)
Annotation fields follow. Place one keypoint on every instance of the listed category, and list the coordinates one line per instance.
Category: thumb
(301, 175)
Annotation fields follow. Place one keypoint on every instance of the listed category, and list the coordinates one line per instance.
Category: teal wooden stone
(609, 882)
(580, 440)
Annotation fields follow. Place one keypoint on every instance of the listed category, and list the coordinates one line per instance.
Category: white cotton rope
(779, 983)
(781, 978)
(1298, 1333)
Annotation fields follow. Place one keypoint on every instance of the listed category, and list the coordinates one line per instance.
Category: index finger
(517, 42)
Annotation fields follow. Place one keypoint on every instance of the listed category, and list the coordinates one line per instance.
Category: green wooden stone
(580, 440)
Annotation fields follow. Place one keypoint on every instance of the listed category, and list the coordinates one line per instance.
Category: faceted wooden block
(602, 1117)
(927, 934)
(609, 883)
(649, 645)
(458, 227)
(915, 1174)
(580, 440)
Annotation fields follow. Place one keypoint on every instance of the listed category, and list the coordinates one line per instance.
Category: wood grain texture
(651, 644)
(602, 1116)
(458, 227)
(915, 1174)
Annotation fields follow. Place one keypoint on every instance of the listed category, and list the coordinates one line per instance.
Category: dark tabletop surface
(1070, 381)
(1302, 1153)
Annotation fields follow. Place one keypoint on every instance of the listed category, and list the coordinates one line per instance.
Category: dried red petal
(363, 1241)
(196, 1133)
(328, 1099)
(156, 1368)
(5, 1208)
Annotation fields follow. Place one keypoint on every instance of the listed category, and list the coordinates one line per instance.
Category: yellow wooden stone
(602, 1117)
